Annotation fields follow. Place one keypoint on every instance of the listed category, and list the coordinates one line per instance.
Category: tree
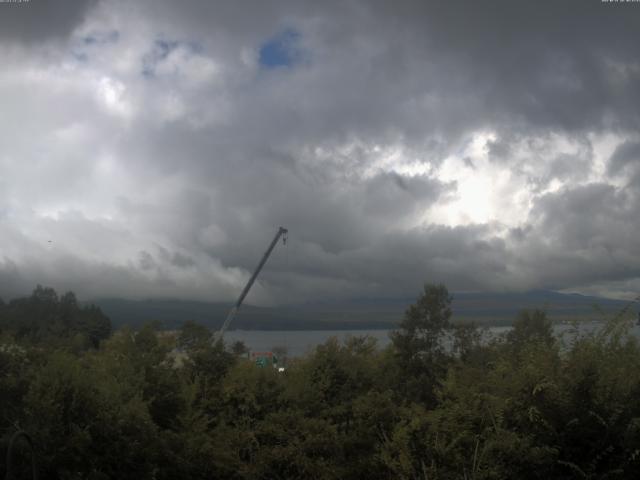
(531, 326)
(194, 336)
(467, 340)
(239, 348)
(46, 318)
(419, 343)
(88, 423)
(95, 324)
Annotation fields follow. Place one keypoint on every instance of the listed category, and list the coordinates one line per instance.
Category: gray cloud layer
(41, 20)
(488, 145)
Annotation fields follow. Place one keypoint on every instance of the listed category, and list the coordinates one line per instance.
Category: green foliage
(424, 323)
(78, 417)
(440, 402)
(45, 317)
(194, 336)
(467, 342)
(419, 344)
(531, 327)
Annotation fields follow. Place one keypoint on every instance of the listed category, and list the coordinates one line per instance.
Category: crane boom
(232, 313)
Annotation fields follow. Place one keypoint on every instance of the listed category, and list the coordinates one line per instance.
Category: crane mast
(282, 232)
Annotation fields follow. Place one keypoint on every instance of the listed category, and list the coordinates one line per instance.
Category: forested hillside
(141, 404)
(360, 313)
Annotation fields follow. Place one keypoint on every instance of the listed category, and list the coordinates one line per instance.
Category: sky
(151, 149)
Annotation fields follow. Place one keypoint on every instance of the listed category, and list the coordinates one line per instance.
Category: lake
(300, 342)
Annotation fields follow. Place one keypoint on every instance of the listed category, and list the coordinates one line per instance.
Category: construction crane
(282, 232)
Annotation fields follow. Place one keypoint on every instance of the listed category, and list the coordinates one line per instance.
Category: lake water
(300, 342)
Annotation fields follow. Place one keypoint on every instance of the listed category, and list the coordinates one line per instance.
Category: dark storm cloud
(170, 127)
(429, 71)
(520, 65)
(398, 264)
(582, 235)
(626, 156)
(41, 20)
(337, 216)
(550, 65)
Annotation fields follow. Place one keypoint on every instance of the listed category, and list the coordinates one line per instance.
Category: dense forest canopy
(143, 404)
(46, 318)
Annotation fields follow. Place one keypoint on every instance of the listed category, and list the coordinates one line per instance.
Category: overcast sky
(152, 148)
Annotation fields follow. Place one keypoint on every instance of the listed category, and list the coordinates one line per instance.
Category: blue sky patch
(160, 51)
(85, 46)
(101, 38)
(281, 50)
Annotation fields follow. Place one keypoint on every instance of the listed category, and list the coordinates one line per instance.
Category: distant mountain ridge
(361, 313)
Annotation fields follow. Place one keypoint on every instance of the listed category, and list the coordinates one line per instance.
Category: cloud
(582, 236)
(625, 157)
(38, 21)
(402, 143)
